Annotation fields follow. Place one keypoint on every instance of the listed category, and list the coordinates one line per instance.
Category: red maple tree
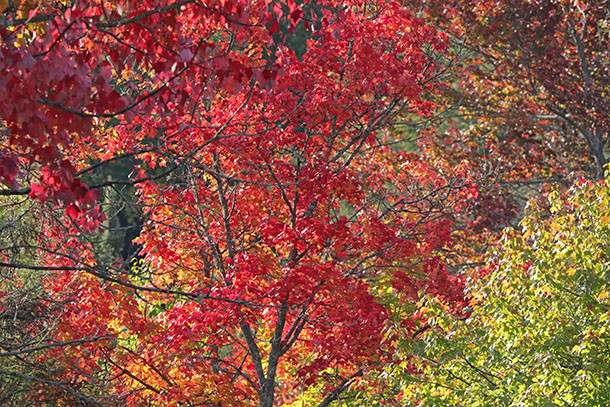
(288, 233)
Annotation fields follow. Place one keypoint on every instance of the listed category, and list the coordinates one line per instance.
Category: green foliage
(538, 332)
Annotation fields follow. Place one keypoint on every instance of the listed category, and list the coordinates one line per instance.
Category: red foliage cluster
(278, 212)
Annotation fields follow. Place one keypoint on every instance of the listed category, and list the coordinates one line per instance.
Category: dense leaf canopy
(234, 203)
(538, 333)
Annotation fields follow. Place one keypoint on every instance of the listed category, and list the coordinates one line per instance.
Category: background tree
(537, 333)
(533, 81)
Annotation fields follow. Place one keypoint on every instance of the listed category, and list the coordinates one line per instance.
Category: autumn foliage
(284, 236)
(234, 203)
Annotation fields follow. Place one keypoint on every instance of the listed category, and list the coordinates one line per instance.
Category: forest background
(306, 203)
